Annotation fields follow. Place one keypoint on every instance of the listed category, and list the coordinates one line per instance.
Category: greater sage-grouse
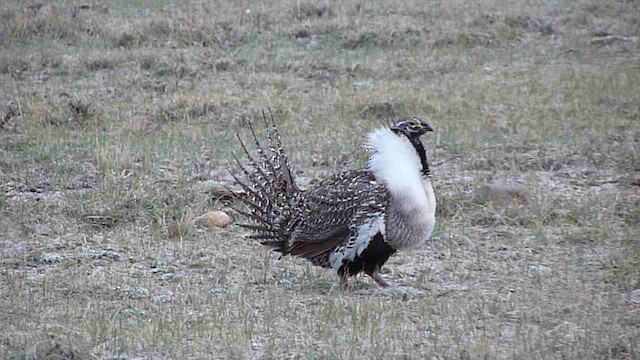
(352, 221)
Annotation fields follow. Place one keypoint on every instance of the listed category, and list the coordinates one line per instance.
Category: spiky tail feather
(271, 194)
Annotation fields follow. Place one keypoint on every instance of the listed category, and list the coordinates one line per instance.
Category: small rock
(162, 297)
(50, 258)
(95, 254)
(41, 76)
(217, 291)
(171, 277)
(286, 283)
(539, 268)
(216, 219)
(362, 84)
(132, 293)
(634, 297)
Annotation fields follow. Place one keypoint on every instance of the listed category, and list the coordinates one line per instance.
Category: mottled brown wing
(330, 209)
(310, 250)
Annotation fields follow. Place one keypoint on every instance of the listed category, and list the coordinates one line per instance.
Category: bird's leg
(344, 281)
(375, 275)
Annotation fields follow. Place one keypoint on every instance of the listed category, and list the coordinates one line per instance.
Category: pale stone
(216, 219)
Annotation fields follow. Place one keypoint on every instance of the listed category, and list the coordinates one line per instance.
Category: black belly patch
(373, 257)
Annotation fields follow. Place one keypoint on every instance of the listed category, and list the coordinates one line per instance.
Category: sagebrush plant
(117, 122)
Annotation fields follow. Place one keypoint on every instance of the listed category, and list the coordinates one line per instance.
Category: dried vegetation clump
(117, 122)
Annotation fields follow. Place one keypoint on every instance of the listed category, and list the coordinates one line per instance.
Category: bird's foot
(379, 279)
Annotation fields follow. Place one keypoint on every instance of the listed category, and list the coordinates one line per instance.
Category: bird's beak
(426, 126)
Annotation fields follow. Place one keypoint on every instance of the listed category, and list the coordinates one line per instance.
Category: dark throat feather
(417, 144)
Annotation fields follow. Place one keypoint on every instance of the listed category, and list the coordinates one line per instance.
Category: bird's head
(411, 126)
(395, 149)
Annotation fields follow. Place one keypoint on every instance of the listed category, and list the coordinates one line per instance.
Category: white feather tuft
(396, 164)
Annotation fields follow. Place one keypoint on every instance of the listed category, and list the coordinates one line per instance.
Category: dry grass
(116, 126)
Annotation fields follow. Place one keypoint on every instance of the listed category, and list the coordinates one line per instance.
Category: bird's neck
(422, 154)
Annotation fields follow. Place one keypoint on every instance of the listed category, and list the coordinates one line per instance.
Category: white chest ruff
(430, 210)
(411, 217)
(410, 214)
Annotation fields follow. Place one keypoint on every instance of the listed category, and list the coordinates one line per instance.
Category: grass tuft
(117, 121)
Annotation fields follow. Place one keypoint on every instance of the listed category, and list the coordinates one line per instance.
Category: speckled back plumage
(331, 212)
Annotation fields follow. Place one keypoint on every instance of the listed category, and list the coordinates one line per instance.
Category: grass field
(116, 129)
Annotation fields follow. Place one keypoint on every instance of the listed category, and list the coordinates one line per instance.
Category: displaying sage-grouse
(353, 221)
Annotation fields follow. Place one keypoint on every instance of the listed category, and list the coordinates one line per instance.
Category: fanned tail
(271, 193)
(279, 156)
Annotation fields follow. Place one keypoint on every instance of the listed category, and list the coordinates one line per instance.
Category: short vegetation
(117, 123)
